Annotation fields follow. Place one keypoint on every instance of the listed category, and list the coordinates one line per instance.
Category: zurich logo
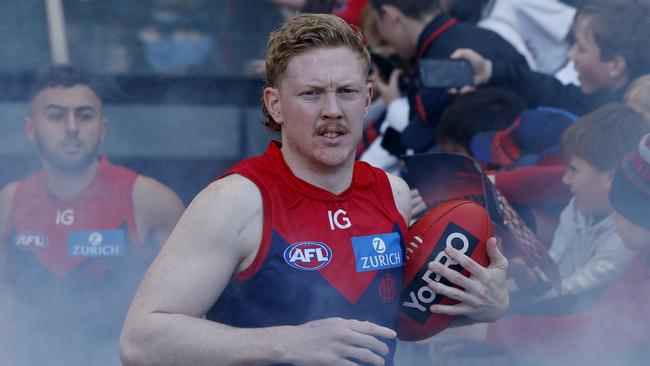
(308, 255)
(95, 239)
(379, 245)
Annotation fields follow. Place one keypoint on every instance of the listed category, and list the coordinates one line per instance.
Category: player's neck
(333, 179)
(66, 185)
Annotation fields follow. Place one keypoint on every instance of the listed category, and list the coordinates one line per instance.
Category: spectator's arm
(540, 89)
(536, 88)
(533, 185)
(603, 267)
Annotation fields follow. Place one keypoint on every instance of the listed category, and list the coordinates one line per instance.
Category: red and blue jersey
(322, 255)
(72, 266)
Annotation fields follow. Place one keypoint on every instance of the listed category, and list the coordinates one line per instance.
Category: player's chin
(334, 155)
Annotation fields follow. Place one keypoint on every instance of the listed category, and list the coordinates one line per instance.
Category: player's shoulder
(401, 195)
(233, 185)
(7, 194)
(231, 210)
(155, 204)
(9, 190)
(233, 189)
(147, 189)
(150, 187)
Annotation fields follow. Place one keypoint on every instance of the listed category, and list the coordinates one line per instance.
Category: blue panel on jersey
(106, 243)
(375, 252)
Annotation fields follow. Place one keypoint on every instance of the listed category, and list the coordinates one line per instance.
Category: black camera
(386, 65)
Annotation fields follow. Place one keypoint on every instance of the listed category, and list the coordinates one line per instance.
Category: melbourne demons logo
(308, 255)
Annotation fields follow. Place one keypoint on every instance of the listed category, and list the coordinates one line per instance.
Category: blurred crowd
(557, 102)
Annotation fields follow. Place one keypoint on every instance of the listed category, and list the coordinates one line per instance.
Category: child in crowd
(609, 52)
(614, 328)
(617, 329)
(588, 251)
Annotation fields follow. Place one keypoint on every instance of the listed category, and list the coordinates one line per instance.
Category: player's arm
(6, 198)
(218, 235)
(157, 210)
(402, 196)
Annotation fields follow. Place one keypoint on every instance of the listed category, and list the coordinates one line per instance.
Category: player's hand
(337, 341)
(483, 296)
(481, 67)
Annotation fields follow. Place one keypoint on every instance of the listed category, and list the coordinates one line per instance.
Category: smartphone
(445, 73)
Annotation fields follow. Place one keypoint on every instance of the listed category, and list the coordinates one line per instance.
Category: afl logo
(308, 255)
(30, 240)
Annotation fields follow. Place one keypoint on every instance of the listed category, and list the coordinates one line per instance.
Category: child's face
(594, 73)
(589, 185)
(634, 236)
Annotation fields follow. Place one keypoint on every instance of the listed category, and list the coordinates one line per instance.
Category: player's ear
(271, 98)
(29, 128)
(369, 93)
(608, 177)
(103, 127)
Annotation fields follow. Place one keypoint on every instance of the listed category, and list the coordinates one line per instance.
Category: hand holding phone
(445, 73)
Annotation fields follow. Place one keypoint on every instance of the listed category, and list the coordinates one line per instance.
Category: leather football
(464, 225)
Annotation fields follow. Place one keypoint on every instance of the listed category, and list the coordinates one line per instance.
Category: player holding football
(272, 253)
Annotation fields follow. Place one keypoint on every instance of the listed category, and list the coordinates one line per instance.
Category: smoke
(184, 136)
(182, 127)
(71, 315)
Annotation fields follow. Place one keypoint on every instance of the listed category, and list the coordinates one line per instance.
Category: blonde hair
(604, 136)
(301, 34)
(637, 95)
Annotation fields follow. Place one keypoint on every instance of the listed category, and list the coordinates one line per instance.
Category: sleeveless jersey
(72, 267)
(322, 255)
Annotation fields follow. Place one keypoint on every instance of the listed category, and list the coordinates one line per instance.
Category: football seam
(485, 218)
(439, 217)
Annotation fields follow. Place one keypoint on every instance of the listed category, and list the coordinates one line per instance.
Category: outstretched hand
(483, 296)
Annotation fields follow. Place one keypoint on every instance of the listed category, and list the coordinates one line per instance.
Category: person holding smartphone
(419, 30)
(609, 53)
